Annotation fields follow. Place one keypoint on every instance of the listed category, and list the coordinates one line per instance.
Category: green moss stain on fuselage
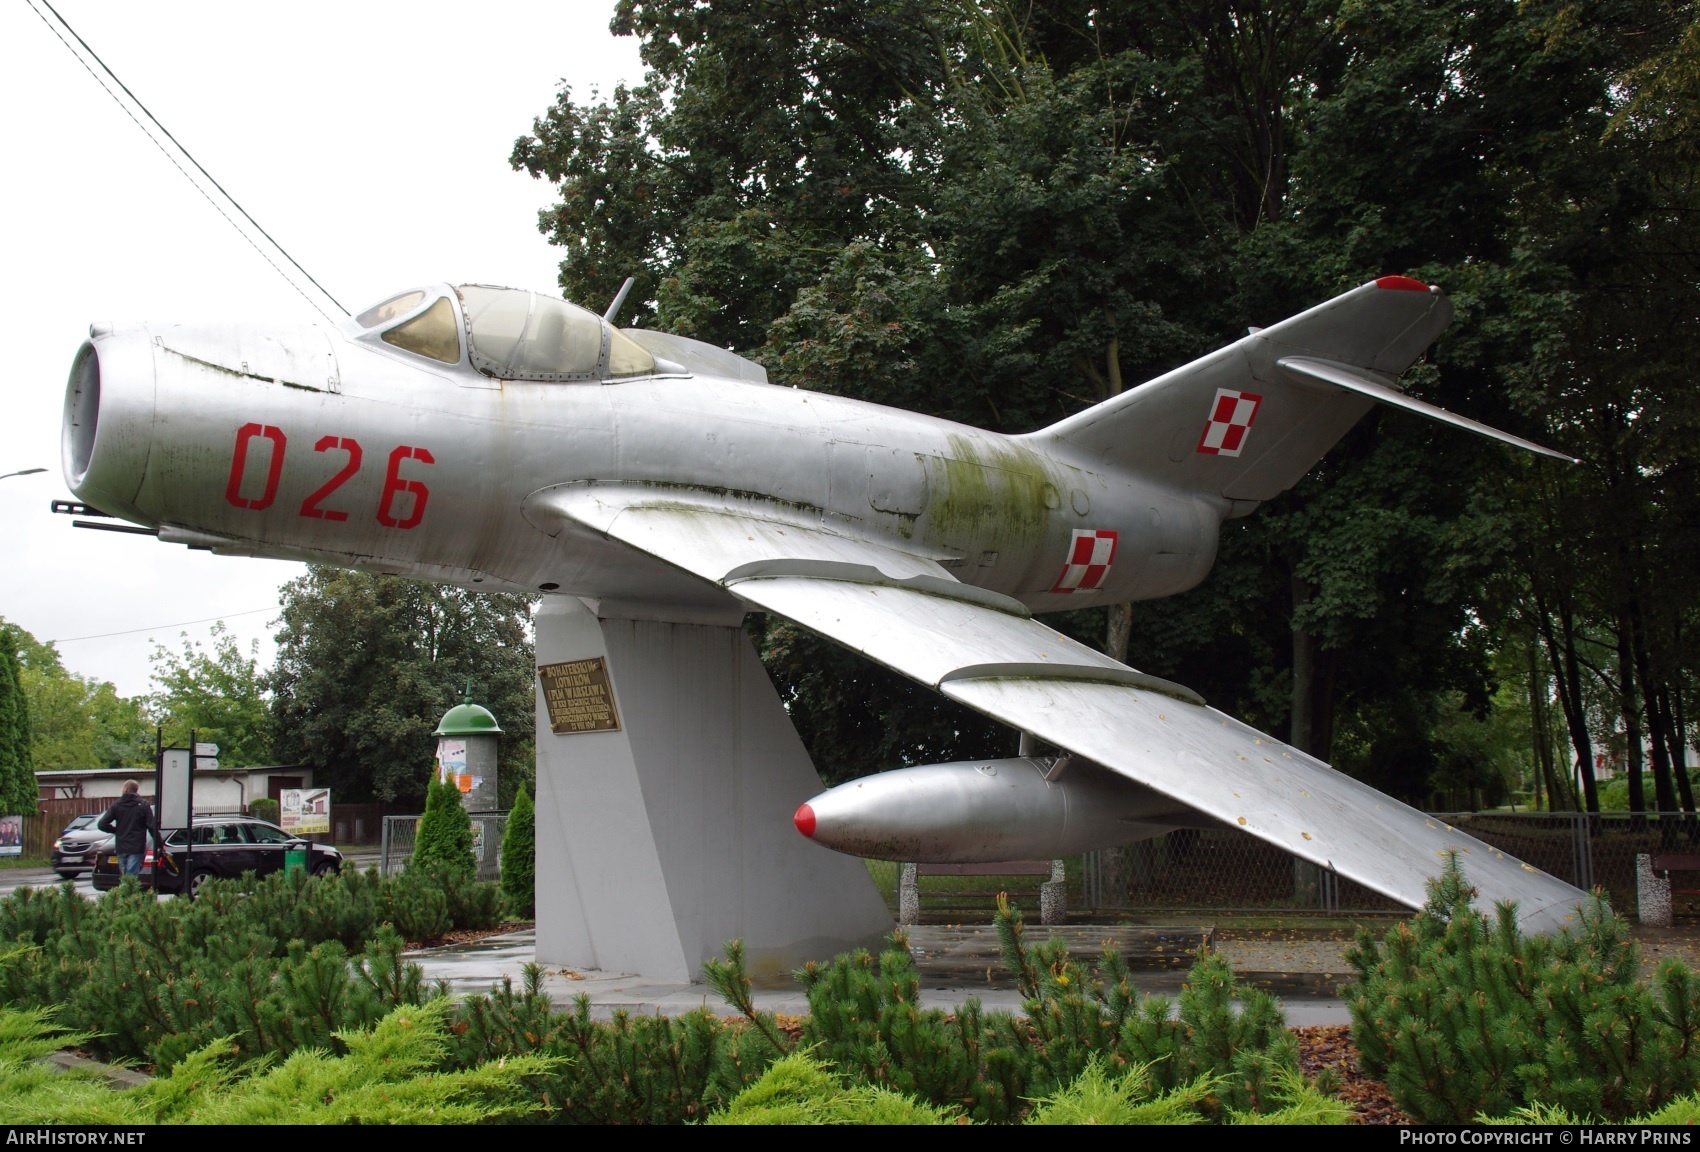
(986, 495)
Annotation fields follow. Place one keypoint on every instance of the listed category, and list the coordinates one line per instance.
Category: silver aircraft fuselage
(330, 445)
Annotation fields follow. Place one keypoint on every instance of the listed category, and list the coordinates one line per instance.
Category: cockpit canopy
(510, 334)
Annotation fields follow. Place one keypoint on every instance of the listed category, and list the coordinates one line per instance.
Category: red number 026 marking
(395, 486)
(245, 436)
(401, 504)
(310, 506)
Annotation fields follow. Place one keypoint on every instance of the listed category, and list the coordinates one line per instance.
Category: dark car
(224, 846)
(75, 851)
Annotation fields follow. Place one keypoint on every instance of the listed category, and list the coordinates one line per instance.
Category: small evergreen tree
(445, 831)
(1465, 1017)
(17, 767)
(519, 856)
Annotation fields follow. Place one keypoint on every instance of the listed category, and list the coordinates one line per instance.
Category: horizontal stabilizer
(1344, 376)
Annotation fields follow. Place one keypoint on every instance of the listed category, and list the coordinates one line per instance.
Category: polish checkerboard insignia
(1231, 414)
(1090, 555)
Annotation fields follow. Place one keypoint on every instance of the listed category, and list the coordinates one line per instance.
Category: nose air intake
(107, 433)
(82, 413)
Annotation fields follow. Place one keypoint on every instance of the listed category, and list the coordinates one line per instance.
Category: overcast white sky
(371, 141)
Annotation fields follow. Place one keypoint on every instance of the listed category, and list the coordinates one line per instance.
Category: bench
(1053, 893)
(1653, 889)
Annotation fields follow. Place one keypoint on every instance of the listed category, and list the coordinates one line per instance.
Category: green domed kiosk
(466, 753)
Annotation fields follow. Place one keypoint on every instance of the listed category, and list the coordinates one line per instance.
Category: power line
(234, 203)
(159, 627)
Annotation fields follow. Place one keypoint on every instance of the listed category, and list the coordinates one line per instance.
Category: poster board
(451, 764)
(174, 789)
(305, 812)
(11, 835)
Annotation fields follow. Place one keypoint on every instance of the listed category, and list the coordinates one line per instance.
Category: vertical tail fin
(1235, 423)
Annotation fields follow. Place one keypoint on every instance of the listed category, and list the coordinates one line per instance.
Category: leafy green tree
(76, 721)
(999, 214)
(519, 855)
(444, 838)
(367, 665)
(218, 695)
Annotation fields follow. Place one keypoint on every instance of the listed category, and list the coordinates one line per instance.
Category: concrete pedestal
(1652, 894)
(658, 842)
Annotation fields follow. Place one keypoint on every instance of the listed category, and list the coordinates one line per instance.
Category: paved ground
(1303, 968)
(955, 964)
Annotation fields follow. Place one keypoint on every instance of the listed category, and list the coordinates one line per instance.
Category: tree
(217, 695)
(519, 856)
(1000, 213)
(367, 665)
(76, 721)
(17, 772)
(444, 837)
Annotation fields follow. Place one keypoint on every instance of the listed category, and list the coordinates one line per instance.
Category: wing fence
(400, 832)
(1227, 870)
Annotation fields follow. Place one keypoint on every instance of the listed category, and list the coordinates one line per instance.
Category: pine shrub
(417, 905)
(273, 964)
(1097, 1096)
(519, 857)
(444, 838)
(629, 1070)
(387, 1073)
(257, 972)
(866, 1021)
(1464, 1017)
(471, 903)
(798, 1090)
(265, 808)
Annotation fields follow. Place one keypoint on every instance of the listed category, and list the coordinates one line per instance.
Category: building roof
(51, 774)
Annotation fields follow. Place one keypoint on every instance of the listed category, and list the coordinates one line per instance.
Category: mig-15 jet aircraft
(506, 440)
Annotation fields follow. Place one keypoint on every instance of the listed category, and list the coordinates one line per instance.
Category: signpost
(174, 799)
(174, 789)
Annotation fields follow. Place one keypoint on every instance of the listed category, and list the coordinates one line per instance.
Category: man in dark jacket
(131, 821)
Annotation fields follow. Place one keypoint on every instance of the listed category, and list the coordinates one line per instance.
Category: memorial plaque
(578, 696)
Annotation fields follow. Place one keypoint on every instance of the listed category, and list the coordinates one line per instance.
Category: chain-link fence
(396, 847)
(1227, 870)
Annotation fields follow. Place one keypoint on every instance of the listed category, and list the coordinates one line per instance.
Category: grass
(887, 873)
(23, 862)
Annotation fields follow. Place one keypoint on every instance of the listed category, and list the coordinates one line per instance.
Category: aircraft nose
(108, 423)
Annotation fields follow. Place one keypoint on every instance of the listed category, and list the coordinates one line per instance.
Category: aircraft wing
(985, 650)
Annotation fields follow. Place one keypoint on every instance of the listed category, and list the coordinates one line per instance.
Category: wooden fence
(357, 823)
(42, 829)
